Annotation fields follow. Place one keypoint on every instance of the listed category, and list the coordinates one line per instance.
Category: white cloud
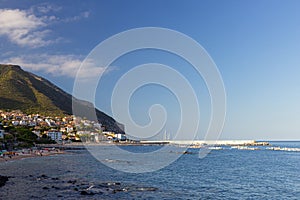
(82, 15)
(57, 65)
(45, 8)
(29, 28)
(23, 28)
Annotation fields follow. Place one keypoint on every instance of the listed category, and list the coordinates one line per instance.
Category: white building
(23, 123)
(70, 129)
(15, 123)
(55, 135)
(121, 137)
(1, 134)
(32, 123)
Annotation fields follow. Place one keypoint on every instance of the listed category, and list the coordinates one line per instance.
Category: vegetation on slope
(21, 90)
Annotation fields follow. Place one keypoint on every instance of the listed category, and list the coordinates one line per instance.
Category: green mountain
(25, 91)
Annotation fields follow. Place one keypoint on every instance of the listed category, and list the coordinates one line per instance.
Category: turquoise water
(222, 174)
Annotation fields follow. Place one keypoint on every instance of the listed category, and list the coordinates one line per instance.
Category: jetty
(208, 142)
(191, 143)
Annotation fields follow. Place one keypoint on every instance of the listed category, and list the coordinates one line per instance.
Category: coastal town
(58, 129)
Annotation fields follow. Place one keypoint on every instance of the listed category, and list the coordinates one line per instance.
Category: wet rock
(72, 181)
(55, 179)
(44, 176)
(103, 185)
(96, 190)
(45, 188)
(117, 190)
(86, 193)
(54, 187)
(187, 152)
(3, 180)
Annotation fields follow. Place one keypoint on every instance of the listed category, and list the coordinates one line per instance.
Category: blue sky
(255, 45)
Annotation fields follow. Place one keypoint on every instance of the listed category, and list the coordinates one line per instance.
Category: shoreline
(12, 156)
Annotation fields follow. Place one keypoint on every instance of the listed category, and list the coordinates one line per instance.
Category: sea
(226, 173)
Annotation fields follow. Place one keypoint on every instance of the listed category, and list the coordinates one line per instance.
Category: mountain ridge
(30, 93)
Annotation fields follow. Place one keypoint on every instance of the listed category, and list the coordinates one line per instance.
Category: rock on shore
(3, 180)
